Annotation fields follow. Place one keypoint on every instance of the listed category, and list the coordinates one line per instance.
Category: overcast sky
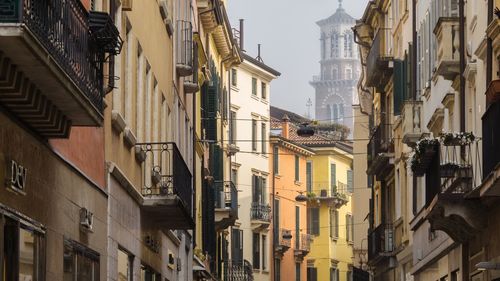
(289, 36)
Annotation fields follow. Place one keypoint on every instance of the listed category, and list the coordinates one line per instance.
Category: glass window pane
(123, 266)
(68, 264)
(85, 269)
(26, 254)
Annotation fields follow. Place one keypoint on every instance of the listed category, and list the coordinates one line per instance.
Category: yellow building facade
(330, 216)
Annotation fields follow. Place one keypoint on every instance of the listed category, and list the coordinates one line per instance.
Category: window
(312, 274)
(263, 134)
(334, 274)
(348, 44)
(349, 227)
(23, 251)
(254, 135)
(264, 252)
(263, 90)
(350, 186)
(234, 77)
(297, 169)
(232, 127)
(313, 221)
(334, 224)
(297, 227)
(234, 176)
(254, 86)
(333, 177)
(80, 263)
(148, 274)
(124, 264)
(256, 250)
(348, 74)
(397, 195)
(237, 245)
(334, 45)
(276, 160)
(297, 272)
(259, 189)
(309, 177)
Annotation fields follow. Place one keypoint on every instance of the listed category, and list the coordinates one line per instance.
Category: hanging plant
(457, 139)
(448, 170)
(424, 151)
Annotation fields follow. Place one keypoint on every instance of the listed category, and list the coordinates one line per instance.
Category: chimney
(242, 35)
(259, 58)
(285, 126)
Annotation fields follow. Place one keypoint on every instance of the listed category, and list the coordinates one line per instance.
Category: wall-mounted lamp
(487, 265)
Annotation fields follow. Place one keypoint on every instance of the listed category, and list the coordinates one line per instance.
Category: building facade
(330, 216)
(248, 140)
(291, 241)
(339, 70)
(430, 75)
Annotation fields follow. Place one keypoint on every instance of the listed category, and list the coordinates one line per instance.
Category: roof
(260, 64)
(314, 141)
(340, 16)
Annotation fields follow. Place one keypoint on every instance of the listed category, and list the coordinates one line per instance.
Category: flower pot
(447, 170)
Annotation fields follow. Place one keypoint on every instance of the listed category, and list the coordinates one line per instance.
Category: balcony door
(258, 189)
(237, 246)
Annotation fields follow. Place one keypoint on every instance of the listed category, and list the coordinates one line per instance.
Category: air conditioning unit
(86, 220)
(166, 15)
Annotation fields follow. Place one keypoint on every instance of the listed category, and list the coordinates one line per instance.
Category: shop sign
(18, 175)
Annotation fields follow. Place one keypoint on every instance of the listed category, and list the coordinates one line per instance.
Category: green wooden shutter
(410, 84)
(333, 177)
(399, 85)
(217, 163)
(350, 187)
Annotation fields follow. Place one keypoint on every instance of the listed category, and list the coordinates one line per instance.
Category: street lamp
(487, 265)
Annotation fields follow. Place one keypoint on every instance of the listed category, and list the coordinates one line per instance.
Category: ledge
(117, 121)
(129, 137)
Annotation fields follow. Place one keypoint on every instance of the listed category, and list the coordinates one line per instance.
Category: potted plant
(457, 139)
(448, 170)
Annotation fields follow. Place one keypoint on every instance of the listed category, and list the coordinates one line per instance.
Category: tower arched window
(335, 73)
(323, 45)
(348, 74)
(334, 39)
(348, 44)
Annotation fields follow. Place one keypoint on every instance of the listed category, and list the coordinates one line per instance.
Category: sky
(289, 36)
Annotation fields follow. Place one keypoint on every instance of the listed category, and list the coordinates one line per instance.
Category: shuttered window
(297, 169)
(333, 177)
(254, 135)
(276, 160)
(256, 250)
(264, 138)
(313, 221)
(309, 177)
(312, 274)
(350, 186)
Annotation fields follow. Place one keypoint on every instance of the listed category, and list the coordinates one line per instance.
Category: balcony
(412, 122)
(491, 138)
(167, 186)
(52, 55)
(449, 178)
(380, 153)
(379, 62)
(283, 242)
(226, 204)
(380, 243)
(237, 270)
(184, 48)
(302, 247)
(336, 197)
(260, 215)
(448, 44)
(210, 14)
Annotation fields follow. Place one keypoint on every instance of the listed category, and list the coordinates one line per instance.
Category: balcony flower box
(493, 92)
(457, 139)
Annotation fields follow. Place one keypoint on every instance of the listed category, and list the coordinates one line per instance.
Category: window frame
(256, 250)
(254, 87)
(276, 163)
(234, 77)
(254, 135)
(309, 176)
(297, 168)
(79, 250)
(263, 90)
(263, 132)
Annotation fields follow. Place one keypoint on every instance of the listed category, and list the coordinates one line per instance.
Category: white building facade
(250, 238)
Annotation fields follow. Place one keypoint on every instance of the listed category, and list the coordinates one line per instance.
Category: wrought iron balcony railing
(166, 176)
(491, 129)
(380, 241)
(238, 270)
(63, 27)
(260, 211)
(305, 242)
(184, 48)
(226, 196)
(378, 149)
(378, 67)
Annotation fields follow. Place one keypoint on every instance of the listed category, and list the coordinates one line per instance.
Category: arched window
(323, 45)
(334, 39)
(348, 74)
(348, 44)
(335, 73)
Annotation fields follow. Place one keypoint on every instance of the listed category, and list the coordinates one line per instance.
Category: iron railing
(285, 238)
(379, 143)
(165, 173)
(184, 48)
(226, 195)
(304, 243)
(260, 211)
(380, 240)
(238, 270)
(380, 51)
(62, 28)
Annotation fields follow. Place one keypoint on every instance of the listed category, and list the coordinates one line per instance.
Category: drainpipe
(461, 15)
(273, 254)
(414, 86)
(489, 48)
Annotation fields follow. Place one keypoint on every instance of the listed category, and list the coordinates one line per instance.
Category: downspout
(273, 255)
(414, 87)
(489, 48)
(461, 15)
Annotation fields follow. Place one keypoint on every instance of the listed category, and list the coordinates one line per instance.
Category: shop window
(80, 262)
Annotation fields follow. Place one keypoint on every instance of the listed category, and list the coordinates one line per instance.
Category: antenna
(259, 58)
(309, 104)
